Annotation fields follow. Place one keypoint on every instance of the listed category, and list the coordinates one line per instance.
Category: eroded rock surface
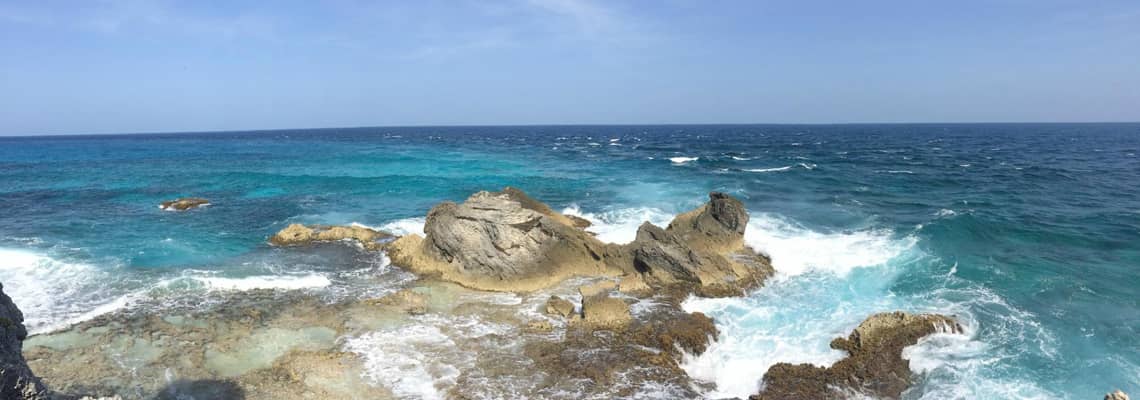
(504, 241)
(301, 235)
(183, 204)
(1117, 395)
(17, 379)
(874, 365)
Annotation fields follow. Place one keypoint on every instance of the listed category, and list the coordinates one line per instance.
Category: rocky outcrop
(508, 241)
(600, 310)
(558, 307)
(16, 379)
(183, 204)
(874, 365)
(701, 251)
(301, 235)
(503, 241)
(1117, 395)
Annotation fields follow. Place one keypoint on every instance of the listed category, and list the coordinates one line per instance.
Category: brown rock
(1117, 395)
(605, 312)
(578, 222)
(184, 204)
(301, 235)
(874, 365)
(406, 300)
(560, 307)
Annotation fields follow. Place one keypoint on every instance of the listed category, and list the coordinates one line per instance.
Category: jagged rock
(559, 307)
(1117, 395)
(300, 235)
(874, 365)
(406, 300)
(504, 241)
(17, 380)
(578, 222)
(701, 251)
(184, 204)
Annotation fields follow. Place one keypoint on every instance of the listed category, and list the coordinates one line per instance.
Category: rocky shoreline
(584, 319)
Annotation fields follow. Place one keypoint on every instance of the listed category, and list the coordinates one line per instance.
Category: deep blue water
(1029, 232)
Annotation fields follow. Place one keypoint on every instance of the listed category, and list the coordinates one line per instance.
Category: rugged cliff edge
(17, 379)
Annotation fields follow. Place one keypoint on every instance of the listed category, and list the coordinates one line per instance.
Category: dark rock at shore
(874, 365)
(184, 204)
(17, 380)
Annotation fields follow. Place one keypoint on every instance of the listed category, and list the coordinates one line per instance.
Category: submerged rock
(406, 300)
(301, 235)
(874, 365)
(184, 204)
(503, 241)
(17, 380)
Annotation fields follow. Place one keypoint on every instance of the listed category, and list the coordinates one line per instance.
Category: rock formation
(1117, 395)
(184, 204)
(508, 241)
(503, 241)
(17, 380)
(301, 235)
(874, 365)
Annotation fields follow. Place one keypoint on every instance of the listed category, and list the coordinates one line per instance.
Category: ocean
(1028, 233)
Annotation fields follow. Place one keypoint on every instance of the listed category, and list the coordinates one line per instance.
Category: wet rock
(504, 241)
(183, 204)
(601, 311)
(578, 222)
(1117, 395)
(666, 260)
(17, 379)
(717, 225)
(559, 307)
(301, 235)
(406, 300)
(874, 366)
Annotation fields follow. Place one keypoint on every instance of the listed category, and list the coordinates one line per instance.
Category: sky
(80, 67)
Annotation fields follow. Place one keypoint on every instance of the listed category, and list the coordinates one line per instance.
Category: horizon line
(216, 131)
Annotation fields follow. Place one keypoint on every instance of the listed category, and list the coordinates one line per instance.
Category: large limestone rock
(184, 204)
(301, 235)
(16, 380)
(504, 241)
(701, 251)
(874, 365)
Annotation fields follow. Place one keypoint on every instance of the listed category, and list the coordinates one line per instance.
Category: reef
(183, 204)
(874, 365)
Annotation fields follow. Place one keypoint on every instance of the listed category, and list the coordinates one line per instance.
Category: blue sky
(152, 65)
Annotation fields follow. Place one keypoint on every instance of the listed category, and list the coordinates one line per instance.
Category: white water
(53, 293)
(682, 160)
(620, 226)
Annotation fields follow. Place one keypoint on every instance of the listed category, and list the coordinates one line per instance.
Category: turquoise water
(1029, 233)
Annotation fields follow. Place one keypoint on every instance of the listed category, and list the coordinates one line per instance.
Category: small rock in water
(1117, 395)
(301, 235)
(560, 307)
(184, 204)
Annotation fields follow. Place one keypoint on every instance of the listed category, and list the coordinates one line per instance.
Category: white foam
(284, 282)
(52, 293)
(405, 226)
(682, 160)
(738, 158)
(796, 250)
(945, 213)
(620, 226)
(776, 169)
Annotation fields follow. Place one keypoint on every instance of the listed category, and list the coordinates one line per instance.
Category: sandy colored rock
(602, 287)
(578, 222)
(1117, 395)
(406, 300)
(301, 235)
(504, 241)
(184, 204)
(874, 365)
(559, 307)
(601, 311)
